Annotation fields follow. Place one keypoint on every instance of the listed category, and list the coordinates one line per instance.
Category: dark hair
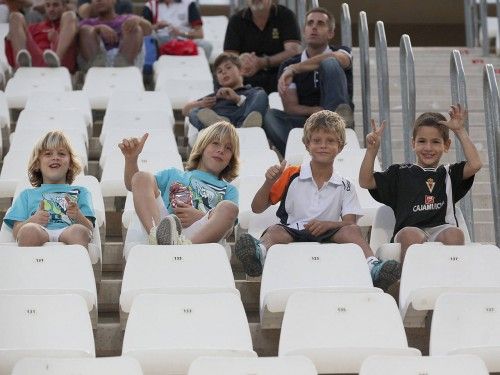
(331, 19)
(432, 119)
(223, 57)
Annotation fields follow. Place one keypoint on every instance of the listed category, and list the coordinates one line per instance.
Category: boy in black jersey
(423, 195)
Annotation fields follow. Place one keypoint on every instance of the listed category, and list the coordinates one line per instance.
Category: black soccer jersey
(421, 197)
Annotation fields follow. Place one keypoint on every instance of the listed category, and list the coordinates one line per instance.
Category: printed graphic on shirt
(206, 196)
(56, 205)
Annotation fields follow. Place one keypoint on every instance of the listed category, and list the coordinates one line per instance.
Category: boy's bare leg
(131, 43)
(145, 191)
(31, 234)
(17, 32)
(352, 234)
(90, 42)
(67, 33)
(220, 222)
(451, 236)
(274, 235)
(409, 236)
(76, 234)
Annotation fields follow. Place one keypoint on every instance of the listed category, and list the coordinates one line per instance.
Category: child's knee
(411, 235)
(451, 236)
(31, 234)
(350, 232)
(76, 234)
(228, 209)
(277, 234)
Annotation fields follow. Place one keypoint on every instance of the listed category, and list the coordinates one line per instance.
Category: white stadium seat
(214, 30)
(100, 83)
(467, 324)
(432, 269)
(297, 365)
(167, 332)
(183, 67)
(399, 365)
(43, 326)
(48, 270)
(302, 267)
(112, 183)
(29, 80)
(182, 90)
(47, 100)
(80, 366)
(179, 269)
(338, 331)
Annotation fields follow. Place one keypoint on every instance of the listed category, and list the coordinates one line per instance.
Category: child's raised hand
(274, 172)
(458, 115)
(132, 147)
(72, 209)
(373, 138)
(41, 216)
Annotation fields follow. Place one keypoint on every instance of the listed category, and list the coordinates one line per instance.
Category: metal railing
(459, 95)
(469, 23)
(364, 63)
(483, 12)
(383, 93)
(492, 116)
(408, 93)
(345, 26)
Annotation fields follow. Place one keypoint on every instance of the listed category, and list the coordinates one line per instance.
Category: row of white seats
(291, 365)
(166, 333)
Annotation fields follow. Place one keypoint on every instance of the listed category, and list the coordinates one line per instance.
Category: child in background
(54, 210)
(423, 195)
(241, 105)
(317, 204)
(193, 206)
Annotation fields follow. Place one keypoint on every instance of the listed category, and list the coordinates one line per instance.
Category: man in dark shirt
(319, 78)
(264, 35)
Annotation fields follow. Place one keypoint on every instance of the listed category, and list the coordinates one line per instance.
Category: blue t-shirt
(206, 189)
(53, 195)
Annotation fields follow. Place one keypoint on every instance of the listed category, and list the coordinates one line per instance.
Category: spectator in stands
(54, 210)
(87, 10)
(193, 206)
(49, 43)
(319, 78)
(423, 195)
(317, 204)
(242, 105)
(111, 39)
(176, 19)
(265, 35)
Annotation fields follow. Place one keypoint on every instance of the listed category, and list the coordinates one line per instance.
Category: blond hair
(220, 131)
(52, 140)
(325, 120)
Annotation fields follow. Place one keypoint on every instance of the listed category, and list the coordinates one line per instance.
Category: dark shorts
(303, 235)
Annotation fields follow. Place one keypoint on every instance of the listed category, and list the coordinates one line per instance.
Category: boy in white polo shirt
(316, 204)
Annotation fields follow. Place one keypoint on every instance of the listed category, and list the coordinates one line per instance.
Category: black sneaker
(385, 273)
(247, 250)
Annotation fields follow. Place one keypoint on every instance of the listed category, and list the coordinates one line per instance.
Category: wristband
(241, 101)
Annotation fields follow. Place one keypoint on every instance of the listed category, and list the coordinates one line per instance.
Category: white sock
(263, 252)
(370, 261)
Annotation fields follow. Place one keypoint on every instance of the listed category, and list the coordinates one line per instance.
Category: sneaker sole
(390, 273)
(51, 60)
(244, 250)
(166, 232)
(178, 224)
(208, 117)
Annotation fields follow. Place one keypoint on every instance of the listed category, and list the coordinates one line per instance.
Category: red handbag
(182, 47)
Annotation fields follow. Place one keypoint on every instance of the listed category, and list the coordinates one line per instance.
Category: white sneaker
(23, 59)
(51, 59)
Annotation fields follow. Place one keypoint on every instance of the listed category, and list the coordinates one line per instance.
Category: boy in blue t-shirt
(53, 210)
(198, 203)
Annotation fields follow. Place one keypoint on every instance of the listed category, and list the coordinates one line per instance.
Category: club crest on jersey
(430, 185)
(429, 199)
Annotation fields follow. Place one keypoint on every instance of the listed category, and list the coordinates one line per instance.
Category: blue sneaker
(385, 273)
(247, 250)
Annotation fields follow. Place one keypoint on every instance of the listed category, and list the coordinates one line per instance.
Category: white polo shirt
(302, 200)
